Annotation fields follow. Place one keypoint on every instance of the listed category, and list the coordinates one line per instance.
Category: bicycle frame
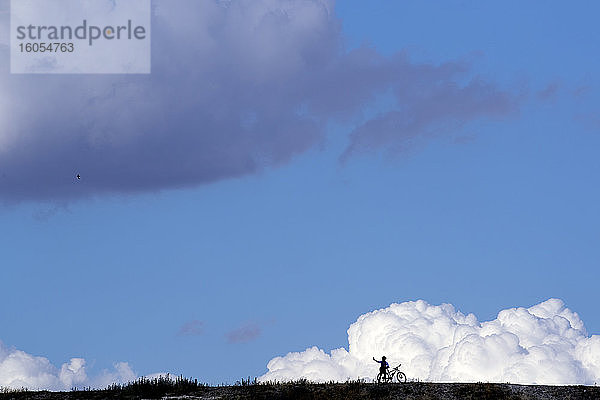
(391, 375)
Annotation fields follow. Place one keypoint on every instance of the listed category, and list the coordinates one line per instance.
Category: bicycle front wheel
(401, 377)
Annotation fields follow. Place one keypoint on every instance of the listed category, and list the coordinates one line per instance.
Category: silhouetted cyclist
(383, 367)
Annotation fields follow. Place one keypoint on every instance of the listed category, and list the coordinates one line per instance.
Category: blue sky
(493, 210)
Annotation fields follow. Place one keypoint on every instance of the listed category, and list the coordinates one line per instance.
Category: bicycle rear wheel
(401, 377)
(379, 377)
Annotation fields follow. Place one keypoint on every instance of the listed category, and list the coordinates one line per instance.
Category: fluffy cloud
(236, 86)
(22, 370)
(543, 344)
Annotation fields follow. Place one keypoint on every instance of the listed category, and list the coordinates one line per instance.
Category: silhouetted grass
(247, 388)
(157, 387)
(147, 388)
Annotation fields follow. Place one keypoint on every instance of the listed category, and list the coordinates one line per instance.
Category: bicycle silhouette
(391, 375)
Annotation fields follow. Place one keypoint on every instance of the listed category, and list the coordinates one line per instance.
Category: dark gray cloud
(429, 105)
(191, 328)
(235, 87)
(549, 92)
(245, 333)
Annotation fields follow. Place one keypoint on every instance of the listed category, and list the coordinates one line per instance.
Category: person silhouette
(383, 367)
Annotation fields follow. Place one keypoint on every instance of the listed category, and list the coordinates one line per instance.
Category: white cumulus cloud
(19, 369)
(543, 344)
